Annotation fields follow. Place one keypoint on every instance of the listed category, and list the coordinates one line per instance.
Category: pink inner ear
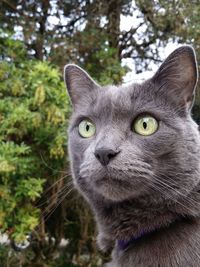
(187, 70)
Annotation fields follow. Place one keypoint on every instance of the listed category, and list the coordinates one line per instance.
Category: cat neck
(175, 245)
(132, 219)
(123, 244)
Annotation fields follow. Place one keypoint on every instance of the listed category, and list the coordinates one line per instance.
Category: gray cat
(135, 156)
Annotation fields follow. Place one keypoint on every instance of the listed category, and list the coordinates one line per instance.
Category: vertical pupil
(144, 125)
(87, 127)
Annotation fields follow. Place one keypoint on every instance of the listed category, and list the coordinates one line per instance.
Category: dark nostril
(97, 156)
(111, 156)
(105, 155)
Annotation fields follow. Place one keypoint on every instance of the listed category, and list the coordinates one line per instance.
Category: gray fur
(153, 183)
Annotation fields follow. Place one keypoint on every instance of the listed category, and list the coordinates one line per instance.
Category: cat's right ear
(178, 76)
(79, 84)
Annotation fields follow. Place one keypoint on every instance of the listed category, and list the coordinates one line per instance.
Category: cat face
(129, 141)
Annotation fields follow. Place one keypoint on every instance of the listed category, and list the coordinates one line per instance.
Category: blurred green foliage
(33, 121)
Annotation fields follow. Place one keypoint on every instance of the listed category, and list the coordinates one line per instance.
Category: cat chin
(115, 192)
(111, 188)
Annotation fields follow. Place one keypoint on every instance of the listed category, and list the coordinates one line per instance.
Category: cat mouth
(117, 189)
(114, 183)
(112, 180)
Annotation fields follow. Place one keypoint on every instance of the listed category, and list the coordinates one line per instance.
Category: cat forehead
(116, 95)
(121, 98)
(115, 100)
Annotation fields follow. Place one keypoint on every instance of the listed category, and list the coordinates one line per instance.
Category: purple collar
(124, 244)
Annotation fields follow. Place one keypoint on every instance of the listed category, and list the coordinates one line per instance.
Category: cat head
(129, 141)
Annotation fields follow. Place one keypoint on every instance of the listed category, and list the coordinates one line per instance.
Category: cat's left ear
(79, 84)
(178, 76)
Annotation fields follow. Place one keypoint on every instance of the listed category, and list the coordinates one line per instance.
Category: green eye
(86, 128)
(145, 125)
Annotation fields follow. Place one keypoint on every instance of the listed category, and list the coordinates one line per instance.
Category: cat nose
(105, 155)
